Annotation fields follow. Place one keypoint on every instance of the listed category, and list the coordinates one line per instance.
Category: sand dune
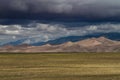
(100, 44)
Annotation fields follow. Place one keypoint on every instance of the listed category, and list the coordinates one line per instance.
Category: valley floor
(60, 66)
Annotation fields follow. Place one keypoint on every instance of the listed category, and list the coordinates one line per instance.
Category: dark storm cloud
(61, 9)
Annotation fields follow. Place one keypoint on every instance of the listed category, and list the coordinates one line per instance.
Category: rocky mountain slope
(100, 44)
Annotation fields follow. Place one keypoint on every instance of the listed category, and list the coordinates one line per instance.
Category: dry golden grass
(60, 66)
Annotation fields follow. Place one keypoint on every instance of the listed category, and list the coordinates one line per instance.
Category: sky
(44, 20)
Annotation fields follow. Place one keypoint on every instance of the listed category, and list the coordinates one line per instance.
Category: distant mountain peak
(100, 44)
(103, 38)
(47, 45)
(67, 44)
(89, 42)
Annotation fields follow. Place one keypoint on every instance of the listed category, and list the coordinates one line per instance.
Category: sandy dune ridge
(100, 44)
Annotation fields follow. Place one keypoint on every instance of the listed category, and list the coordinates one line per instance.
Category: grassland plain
(60, 66)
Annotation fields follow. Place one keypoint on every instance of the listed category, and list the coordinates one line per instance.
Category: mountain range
(101, 44)
(32, 41)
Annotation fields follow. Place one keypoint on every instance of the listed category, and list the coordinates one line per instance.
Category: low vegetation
(60, 66)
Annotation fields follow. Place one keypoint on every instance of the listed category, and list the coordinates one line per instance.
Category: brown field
(60, 66)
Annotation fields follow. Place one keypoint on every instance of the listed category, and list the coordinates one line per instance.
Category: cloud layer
(47, 9)
(44, 32)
